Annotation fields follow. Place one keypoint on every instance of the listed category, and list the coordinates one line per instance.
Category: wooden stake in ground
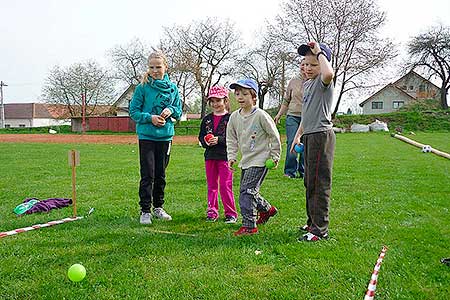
(419, 145)
(74, 161)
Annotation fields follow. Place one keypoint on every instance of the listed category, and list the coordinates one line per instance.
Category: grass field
(385, 192)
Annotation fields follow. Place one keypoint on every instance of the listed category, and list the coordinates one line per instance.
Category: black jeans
(154, 158)
(319, 157)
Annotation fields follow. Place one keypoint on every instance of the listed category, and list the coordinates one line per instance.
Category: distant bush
(422, 105)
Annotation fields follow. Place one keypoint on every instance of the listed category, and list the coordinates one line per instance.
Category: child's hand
(158, 121)
(296, 141)
(292, 150)
(213, 141)
(276, 163)
(276, 119)
(166, 113)
(315, 48)
(231, 162)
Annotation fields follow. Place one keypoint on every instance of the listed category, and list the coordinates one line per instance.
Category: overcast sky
(36, 35)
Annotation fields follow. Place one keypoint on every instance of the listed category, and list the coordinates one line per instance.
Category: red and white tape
(38, 226)
(370, 294)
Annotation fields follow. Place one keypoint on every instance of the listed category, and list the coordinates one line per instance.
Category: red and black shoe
(246, 231)
(264, 216)
(305, 228)
(311, 237)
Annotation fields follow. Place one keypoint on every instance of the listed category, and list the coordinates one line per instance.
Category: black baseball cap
(303, 49)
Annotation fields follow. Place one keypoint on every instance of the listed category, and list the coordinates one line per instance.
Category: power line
(2, 108)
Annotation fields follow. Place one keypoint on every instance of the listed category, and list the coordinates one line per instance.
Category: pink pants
(220, 177)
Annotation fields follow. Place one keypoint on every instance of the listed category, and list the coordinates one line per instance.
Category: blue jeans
(294, 162)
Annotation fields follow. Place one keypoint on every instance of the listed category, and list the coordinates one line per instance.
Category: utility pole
(83, 112)
(2, 109)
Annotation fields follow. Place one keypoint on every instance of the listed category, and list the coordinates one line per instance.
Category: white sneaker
(160, 213)
(230, 220)
(146, 218)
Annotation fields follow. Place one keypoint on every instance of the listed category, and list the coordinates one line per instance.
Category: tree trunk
(444, 98)
(333, 115)
(203, 112)
(261, 101)
(282, 81)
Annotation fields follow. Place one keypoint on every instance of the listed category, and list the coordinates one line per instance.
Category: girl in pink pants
(212, 136)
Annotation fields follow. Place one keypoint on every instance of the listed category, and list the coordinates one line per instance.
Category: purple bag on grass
(47, 204)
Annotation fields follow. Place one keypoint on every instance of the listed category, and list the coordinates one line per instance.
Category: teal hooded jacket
(150, 99)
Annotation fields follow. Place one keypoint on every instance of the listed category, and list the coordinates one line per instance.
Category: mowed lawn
(385, 192)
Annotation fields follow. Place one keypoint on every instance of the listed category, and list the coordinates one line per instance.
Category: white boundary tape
(370, 294)
(170, 232)
(38, 226)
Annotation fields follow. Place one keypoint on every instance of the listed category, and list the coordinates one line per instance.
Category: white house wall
(49, 122)
(122, 113)
(18, 123)
(15, 123)
(387, 96)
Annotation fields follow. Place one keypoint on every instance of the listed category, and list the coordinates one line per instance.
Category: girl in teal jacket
(155, 103)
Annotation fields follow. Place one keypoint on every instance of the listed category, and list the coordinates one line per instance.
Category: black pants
(154, 158)
(319, 156)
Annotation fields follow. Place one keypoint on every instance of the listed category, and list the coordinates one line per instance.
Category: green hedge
(45, 129)
(438, 120)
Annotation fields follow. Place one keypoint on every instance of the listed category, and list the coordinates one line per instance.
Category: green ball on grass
(76, 273)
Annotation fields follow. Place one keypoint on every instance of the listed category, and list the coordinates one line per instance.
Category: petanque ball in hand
(299, 148)
(208, 137)
(76, 273)
(270, 164)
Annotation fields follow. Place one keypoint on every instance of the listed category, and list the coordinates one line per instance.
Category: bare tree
(179, 70)
(129, 61)
(66, 85)
(431, 51)
(208, 48)
(266, 65)
(349, 27)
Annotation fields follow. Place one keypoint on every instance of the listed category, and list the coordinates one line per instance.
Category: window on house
(7, 125)
(411, 87)
(377, 105)
(397, 104)
(421, 88)
(21, 125)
